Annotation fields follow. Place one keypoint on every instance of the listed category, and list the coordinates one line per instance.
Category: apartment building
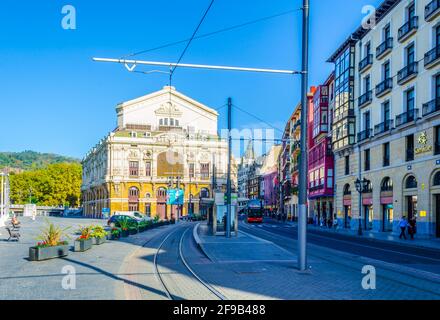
(386, 133)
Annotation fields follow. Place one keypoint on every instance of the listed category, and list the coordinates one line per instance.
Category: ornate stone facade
(163, 140)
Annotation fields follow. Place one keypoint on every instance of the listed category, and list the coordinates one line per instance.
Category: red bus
(254, 211)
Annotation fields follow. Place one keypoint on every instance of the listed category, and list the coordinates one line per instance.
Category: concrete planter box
(133, 231)
(124, 233)
(98, 241)
(83, 245)
(142, 229)
(40, 254)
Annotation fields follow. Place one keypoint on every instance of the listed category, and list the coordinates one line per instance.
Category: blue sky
(53, 98)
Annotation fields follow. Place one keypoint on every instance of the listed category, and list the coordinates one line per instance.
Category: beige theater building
(393, 107)
(163, 140)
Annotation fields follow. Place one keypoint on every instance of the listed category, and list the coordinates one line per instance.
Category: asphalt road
(418, 258)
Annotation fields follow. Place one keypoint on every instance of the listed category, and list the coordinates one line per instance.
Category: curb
(397, 243)
(199, 242)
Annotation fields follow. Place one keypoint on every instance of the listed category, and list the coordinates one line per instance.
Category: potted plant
(115, 234)
(84, 242)
(98, 235)
(50, 245)
(124, 225)
(142, 226)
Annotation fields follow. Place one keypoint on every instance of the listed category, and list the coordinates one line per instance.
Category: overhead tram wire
(191, 39)
(259, 119)
(209, 34)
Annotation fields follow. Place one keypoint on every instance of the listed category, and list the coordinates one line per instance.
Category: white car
(134, 214)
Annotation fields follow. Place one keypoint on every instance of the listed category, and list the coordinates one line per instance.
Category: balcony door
(367, 121)
(437, 87)
(410, 54)
(411, 11)
(410, 102)
(386, 70)
(386, 112)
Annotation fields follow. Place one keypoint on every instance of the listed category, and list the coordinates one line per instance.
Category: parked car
(114, 220)
(134, 214)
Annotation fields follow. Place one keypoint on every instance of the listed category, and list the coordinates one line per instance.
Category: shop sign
(423, 142)
(423, 214)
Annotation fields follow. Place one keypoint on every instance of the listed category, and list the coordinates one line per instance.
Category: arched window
(133, 192)
(161, 192)
(436, 181)
(411, 183)
(347, 191)
(387, 184)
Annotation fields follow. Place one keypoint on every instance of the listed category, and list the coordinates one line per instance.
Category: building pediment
(168, 109)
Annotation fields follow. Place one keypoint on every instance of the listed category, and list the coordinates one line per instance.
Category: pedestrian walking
(403, 224)
(335, 222)
(412, 228)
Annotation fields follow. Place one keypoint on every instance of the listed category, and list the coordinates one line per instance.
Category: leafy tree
(57, 184)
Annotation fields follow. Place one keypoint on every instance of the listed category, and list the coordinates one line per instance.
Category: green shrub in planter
(98, 234)
(51, 246)
(40, 253)
(115, 234)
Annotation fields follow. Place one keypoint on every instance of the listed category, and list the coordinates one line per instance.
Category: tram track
(181, 271)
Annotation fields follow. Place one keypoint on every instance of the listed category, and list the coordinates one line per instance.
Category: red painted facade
(321, 163)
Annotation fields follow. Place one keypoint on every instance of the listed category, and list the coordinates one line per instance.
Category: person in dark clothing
(403, 224)
(412, 228)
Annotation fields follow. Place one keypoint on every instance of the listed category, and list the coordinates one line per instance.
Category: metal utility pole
(302, 216)
(229, 186)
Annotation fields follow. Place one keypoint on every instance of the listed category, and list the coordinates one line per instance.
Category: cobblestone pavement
(98, 273)
(335, 275)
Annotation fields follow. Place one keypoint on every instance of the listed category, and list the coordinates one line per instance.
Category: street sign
(175, 197)
(105, 212)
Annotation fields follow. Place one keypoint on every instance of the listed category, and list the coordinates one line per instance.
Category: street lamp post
(361, 187)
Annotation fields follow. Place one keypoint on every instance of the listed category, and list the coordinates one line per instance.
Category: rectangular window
(166, 122)
(437, 87)
(387, 32)
(367, 120)
(347, 165)
(367, 83)
(191, 170)
(410, 148)
(386, 70)
(437, 140)
(386, 112)
(148, 169)
(134, 168)
(410, 54)
(410, 101)
(204, 170)
(437, 36)
(411, 11)
(386, 154)
(367, 160)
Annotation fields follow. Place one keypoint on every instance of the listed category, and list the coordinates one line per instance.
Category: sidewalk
(240, 271)
(223, 250)
(375, 236)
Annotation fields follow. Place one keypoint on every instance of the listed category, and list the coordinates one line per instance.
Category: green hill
(29, 160)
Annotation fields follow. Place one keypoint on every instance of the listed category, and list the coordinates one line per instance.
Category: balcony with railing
(432, 10)
(431, 107)
(384, 48)
(383, 127)
(365, 99)
(364, 135)
(366, 63)
(407, 117)
(408, 73)
(384, 87)
(432, 57)
(408, 29)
